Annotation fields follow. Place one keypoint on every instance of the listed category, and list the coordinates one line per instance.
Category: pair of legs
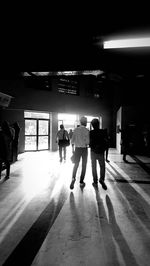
(62, 150)
(80, 153)
(101, 160)
(106, 154)
(125, 152)
(7, 163)
(15, 151)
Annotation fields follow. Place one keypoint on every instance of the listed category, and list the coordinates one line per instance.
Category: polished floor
(44, 223)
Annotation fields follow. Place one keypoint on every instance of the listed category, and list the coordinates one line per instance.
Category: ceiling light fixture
(127, 43)
(64, 73)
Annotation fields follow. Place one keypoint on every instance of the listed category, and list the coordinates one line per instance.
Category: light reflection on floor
(97, 217)
(39, 169)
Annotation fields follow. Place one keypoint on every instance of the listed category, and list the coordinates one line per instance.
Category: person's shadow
(105, 232)
(118, 236)
(76, 233)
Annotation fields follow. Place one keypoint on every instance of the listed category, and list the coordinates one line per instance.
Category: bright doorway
(70, 121)
(37, 131)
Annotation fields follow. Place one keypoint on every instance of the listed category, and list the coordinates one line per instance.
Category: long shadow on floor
(29, 246)
(141, 164)
(76, 220)
(106, 232)
(134, 199)
(118, 236)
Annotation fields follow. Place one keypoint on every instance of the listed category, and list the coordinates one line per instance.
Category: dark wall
(132, 94)
(33, 98)
(12, 116)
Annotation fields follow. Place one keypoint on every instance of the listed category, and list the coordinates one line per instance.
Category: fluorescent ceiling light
(127, 43)
(65, 73)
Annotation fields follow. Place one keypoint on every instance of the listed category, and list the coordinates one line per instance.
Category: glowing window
(37, 115)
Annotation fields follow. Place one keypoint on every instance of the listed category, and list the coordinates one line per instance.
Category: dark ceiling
(73, 42)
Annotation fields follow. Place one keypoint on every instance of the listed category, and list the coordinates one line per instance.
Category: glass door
(30, 134)
(43, 134)
(37, 134)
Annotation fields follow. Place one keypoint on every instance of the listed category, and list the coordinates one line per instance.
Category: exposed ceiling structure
(78, 46)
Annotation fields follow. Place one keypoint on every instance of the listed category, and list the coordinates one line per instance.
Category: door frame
(38, 135)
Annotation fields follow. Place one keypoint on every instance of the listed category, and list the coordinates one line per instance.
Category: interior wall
(34, 99)
(25, 98)
(12, 116)
(138, 119)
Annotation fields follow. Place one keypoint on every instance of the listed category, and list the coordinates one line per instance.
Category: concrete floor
(44, 223)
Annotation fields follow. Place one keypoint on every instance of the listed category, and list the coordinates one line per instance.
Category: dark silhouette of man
(98, 147)
(80, 140)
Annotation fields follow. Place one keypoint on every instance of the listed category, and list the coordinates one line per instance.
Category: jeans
(62, 148)
(7, 164)
(101, 160)
(80, 153)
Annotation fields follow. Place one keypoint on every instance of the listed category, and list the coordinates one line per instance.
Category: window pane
(43, 143)
(30, 127)
(43, 127)
(30, 143)
(36, 115)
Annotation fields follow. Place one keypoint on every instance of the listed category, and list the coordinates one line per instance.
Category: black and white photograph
(75, 136)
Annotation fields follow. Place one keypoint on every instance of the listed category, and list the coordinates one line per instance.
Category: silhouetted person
(61, 135)
(70, 134)
(125, 143)
(6, 139)
(80, 142)
(15, 140)
(98, 146)
(107, 138)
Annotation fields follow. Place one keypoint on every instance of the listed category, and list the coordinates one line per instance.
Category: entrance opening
(70, 121)
(37, 131)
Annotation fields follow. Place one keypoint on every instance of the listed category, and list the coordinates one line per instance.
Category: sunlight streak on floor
(11, 219)
(35, 184)
(135, 186)
(36, 174)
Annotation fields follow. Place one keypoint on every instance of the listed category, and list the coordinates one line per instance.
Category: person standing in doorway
(62, 134)
(16, 127)
(70, 133)
(6, 138)
(125, 143)
(80, 142)
(98, 147)
(107, 139)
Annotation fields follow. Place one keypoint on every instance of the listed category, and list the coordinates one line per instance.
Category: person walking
(6, 138)
(16, 127)
(80, 142)
(125, 143)
(61, 136)
(70, 133)
(98, 147)
(107, 138)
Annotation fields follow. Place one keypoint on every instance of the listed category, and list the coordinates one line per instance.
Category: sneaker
(6, 177)
(125, 160)
(95, 185)
(72, 184)
(107, 161)
(103, 184)
(82, 184)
